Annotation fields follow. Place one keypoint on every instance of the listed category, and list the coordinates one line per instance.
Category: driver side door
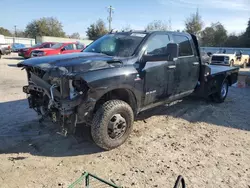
(158, 73)
(69, 48)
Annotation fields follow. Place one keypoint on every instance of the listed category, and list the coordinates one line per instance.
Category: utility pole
(15, 30)
(110, 11)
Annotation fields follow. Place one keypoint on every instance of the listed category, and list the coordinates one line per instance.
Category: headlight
(226, 58)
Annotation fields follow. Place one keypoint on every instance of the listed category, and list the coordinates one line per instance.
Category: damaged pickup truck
(117, 77)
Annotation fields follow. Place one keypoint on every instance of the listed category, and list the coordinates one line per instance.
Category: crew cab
(118, 76)
(4, 48)
(59, 48)
(230, 59)
(26, 52)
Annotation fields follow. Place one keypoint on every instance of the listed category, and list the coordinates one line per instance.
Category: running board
(168, 100)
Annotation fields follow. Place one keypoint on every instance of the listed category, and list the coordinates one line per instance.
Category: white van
(4, 48)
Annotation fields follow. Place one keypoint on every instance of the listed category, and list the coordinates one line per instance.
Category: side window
(157, 45)
(185, 48)
(69, 47)
(79, 46)
(47, 45)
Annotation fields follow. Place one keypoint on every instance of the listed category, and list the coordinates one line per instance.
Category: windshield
(36, 45)
(57, 45)
(119, 44)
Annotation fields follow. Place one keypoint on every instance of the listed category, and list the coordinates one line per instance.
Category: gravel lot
(209, 144)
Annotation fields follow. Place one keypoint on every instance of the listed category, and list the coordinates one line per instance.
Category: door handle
(171, 67)
(195, 63)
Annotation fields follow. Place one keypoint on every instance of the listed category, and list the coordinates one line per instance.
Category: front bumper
(23, 54)
(223, 63)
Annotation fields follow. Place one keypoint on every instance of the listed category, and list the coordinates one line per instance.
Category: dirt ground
(209, 144)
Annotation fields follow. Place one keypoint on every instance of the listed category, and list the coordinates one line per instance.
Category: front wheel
(221, 95)
(112, 124)
(244, 64)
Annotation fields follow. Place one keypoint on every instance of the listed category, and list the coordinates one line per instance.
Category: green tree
(157, 25)
(47, 26)
(96, 30)
(194, 23)
(5, 32)
(74, 35)
(207, 36)
(246, 36)
(214, 36)
(233, 41)
(220, 35)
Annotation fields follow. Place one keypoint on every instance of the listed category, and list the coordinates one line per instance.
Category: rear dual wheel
(221, 95)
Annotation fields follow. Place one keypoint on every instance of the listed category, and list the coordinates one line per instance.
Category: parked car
(26, 52)
(227, 59)
(118, 76)
(59, 48)
(16, 47)
(4, 48)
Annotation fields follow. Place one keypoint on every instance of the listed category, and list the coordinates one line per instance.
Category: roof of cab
(151, 32)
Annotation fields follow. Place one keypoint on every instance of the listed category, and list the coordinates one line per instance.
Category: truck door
(69, 48)
(187, 65)
(157, 71)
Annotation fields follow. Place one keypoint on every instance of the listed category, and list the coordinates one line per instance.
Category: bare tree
(158, 25)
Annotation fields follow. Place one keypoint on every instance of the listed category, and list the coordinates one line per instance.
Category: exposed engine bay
(56, 96)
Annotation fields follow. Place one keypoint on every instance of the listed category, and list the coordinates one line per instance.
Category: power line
(110, 11)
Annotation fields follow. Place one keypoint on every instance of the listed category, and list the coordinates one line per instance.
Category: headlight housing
(226, 58)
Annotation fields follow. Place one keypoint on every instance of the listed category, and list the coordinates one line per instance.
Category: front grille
(38, 72)
(218, 58)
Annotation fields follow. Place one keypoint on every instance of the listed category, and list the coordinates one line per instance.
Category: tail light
(8, 47)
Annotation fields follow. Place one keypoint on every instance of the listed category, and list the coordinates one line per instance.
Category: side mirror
(172, 51)
(63, 49)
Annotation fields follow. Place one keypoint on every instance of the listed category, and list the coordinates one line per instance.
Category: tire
(245, 64)
(108, 115)
(232, 63)
(221, 95)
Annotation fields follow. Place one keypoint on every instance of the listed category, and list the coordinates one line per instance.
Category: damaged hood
(74, 62)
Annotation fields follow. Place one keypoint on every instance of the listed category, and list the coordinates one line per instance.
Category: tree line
(214, 35)
(47, 26)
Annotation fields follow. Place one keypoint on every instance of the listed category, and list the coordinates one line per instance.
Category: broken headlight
(79, 85)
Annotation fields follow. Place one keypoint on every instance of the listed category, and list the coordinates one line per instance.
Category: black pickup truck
(118, 76)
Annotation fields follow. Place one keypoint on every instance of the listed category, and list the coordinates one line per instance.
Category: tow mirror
(172, 51)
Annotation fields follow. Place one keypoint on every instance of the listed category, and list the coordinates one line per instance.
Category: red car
(26, 52)
(58, 48)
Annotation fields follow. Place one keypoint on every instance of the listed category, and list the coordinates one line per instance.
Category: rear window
(185, 48)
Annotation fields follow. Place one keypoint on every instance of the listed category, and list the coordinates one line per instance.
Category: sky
(77, 15)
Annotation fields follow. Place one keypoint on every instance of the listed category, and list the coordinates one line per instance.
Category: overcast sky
(77, 15)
